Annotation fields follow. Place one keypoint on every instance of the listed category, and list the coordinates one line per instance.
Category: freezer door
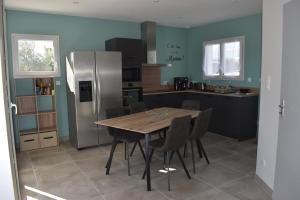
(109, 87)
(85, 98)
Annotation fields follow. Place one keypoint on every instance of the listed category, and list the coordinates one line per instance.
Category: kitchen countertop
(200, 92)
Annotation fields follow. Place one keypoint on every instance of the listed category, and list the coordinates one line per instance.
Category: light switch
(57, 82)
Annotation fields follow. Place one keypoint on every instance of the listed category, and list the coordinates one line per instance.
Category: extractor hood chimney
(148, 31)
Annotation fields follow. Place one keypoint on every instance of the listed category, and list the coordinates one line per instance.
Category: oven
(132, 95)
(131, 74)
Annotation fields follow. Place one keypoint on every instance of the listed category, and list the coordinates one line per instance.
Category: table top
(149, 121)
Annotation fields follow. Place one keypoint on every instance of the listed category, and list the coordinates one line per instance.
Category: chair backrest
(191, 105)
(201, 124)
(178, 134)
(115, 112)
(137, 107)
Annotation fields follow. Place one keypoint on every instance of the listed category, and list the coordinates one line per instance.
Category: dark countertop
(200, 92)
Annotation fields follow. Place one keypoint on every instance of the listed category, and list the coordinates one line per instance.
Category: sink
(224, 90)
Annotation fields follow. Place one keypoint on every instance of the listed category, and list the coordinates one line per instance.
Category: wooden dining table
(148, 123)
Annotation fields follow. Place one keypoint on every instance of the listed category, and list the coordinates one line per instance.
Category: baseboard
(264, 186)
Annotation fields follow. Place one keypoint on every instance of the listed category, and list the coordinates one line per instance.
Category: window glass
(36, 55)
(232, 58)
(212, 59)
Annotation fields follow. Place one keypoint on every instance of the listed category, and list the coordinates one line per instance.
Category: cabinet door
(131, 50)
(228, 113)
(151, 101)
(212, 101)
(172, 100)
(196, 97)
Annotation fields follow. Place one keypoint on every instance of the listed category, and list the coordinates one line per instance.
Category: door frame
(10, 175)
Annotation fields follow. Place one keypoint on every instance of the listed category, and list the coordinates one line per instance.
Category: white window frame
(15, 56)
(242, 57)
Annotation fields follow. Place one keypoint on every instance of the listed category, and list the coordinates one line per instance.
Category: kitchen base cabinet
(233, 116)
(172, 100)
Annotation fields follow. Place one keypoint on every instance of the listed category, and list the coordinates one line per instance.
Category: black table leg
(147, 150)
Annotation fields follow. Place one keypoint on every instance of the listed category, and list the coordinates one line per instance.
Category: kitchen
(170, 71)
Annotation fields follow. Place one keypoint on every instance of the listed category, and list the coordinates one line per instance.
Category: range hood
(148, 31)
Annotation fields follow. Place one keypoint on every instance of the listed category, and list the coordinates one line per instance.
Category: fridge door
(85, 98)
(109, 87)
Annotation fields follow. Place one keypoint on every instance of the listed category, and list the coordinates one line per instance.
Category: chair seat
(156, 144)
(129, 137)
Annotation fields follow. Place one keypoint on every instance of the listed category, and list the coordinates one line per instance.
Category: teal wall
(166, 38)
(250, 27)
(78, 33)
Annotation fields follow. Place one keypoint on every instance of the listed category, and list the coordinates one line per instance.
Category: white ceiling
(179, 13)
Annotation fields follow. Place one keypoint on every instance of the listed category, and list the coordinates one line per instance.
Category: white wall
(270, 96)
(7, 191)
(6, 178)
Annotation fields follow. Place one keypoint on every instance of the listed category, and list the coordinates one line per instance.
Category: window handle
(13, 105)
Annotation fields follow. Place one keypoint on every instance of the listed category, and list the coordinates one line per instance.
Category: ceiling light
(155, 1)
(75, 2)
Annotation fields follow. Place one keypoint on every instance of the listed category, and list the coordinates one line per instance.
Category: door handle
(282, 106)
(13, 105)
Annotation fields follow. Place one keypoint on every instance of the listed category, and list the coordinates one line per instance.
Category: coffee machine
(181, 83)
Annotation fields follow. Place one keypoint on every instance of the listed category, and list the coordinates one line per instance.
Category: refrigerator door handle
(99, 96)
(98, 78)
(95, 96)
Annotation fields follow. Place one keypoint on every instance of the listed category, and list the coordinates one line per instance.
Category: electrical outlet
(57, 82)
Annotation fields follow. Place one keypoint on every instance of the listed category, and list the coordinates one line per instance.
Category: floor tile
(135, 193)
(182, 188)
(217, 175)
(213, 194)
(24, 161)
(212, 138)
(26, 178)
(215, 153)
(40, 161)
(246, 189)
(71, 174)
(239, 163)
(76, 187)
(56, 173)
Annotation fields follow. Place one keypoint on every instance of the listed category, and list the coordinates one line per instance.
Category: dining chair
(199, 129)
(137, 107)
(118, 135)
(176, 136)
(191, 105)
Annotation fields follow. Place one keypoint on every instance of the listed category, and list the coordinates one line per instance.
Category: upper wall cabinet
(131, 50)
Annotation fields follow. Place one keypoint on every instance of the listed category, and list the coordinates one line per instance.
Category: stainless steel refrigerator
(94, 84)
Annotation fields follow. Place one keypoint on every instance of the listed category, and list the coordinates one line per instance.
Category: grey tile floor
(80, 175)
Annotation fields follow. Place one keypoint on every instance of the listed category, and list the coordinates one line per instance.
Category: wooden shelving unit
(40, 107)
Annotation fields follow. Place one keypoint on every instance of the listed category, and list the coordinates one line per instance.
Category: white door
(287, 173)
(7, 135)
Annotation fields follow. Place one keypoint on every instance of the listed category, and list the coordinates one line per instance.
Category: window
(224, 59)
(35, 55)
